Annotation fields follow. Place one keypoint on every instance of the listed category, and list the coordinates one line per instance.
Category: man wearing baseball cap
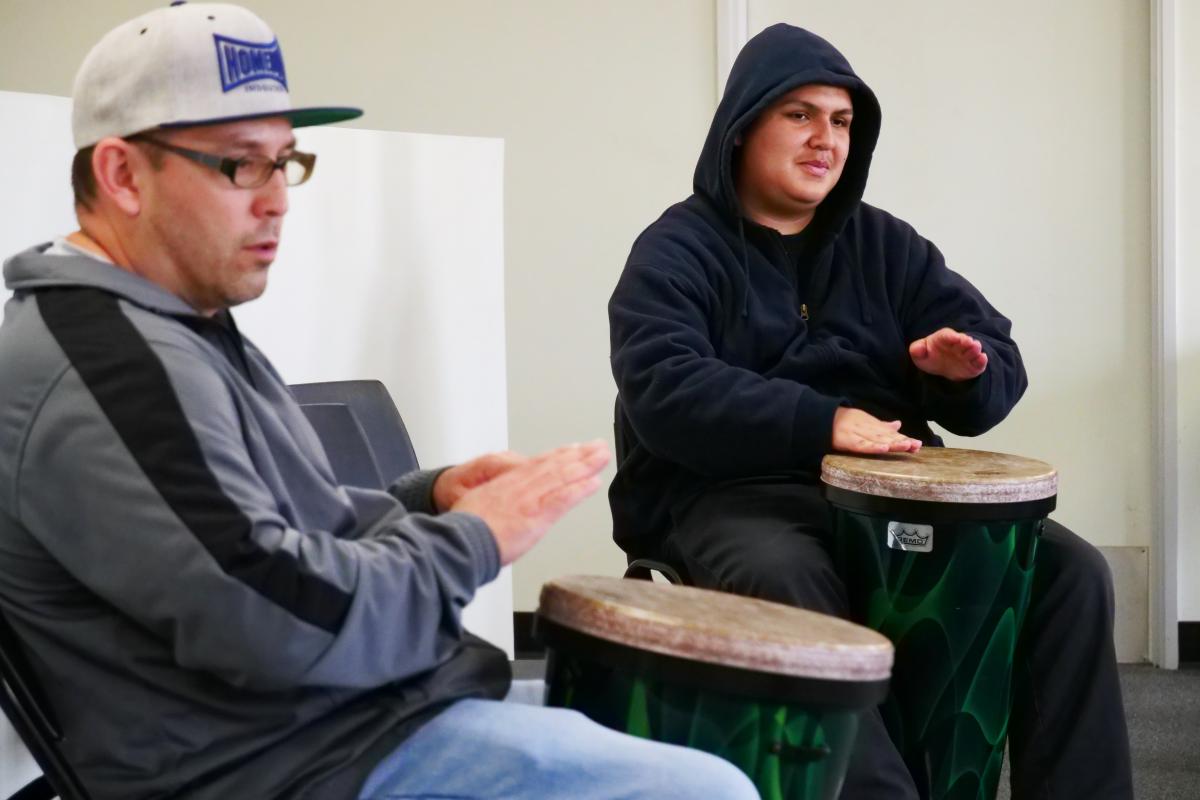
(211, 614)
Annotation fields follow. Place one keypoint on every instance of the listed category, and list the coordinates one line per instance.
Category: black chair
(345, 443)
(27, 709)
(642, 568)
(378, 422)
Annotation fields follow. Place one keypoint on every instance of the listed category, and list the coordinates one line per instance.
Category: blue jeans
(479, 749)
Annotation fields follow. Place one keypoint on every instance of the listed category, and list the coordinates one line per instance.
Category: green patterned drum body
(949, 584)
(791, 734)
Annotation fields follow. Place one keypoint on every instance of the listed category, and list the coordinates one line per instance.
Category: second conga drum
(775, 690)
(937, 552)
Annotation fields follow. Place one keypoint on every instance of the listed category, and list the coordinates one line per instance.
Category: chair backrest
(372, 406)
(643, 569)
(345, 444)
(27, 709)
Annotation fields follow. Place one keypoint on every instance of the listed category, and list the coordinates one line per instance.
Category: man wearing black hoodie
(773, 317)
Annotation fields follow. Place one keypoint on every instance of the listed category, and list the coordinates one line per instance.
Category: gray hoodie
(210, 613)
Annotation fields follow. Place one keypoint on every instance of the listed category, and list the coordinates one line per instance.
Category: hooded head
(772, 64)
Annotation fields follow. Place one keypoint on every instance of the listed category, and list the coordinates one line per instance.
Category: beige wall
(1188, 287)
(602, 106)
(1016, 136)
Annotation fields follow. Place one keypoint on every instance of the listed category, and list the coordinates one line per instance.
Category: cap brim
(304, 117)
(299, 117)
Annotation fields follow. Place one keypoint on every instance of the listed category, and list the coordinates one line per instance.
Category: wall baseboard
(525, 644)
(1189, 642)
(1130, 568)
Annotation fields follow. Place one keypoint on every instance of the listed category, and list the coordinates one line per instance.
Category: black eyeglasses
(248, 172)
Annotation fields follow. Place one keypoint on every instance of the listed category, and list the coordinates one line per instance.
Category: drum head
(717, 628)
(943, 475)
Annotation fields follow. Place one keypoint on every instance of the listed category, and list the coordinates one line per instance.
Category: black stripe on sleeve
(131, 385)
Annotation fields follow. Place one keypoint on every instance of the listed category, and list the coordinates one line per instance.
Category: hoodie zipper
(777, 238)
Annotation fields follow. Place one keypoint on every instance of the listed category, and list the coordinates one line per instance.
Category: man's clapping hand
(524, 497)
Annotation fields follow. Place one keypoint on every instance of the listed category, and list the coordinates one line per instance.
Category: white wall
(1016, 137)
(41, 210)
(1188, 290)
(27, 218)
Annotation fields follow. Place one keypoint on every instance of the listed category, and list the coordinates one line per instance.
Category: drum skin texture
(775, 690)
(939, 557)
(944, 475)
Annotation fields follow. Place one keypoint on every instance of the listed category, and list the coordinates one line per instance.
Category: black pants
(1067, 735)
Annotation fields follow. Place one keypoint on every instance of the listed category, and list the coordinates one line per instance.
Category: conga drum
(937, 551)
(775, 690)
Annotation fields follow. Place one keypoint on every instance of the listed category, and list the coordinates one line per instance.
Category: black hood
(773, 63)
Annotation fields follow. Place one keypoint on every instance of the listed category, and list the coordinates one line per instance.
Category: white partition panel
(391, 267)
(35, 206)
(35, 177)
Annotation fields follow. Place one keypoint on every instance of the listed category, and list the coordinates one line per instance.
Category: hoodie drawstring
(860, 283)
(745, 268)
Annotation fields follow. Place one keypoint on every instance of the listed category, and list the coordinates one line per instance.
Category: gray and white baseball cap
(187, 64)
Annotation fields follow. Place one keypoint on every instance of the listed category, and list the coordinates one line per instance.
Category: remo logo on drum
(910, 537)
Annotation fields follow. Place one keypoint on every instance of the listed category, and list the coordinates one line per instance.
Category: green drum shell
(792, 736)
(954, 615)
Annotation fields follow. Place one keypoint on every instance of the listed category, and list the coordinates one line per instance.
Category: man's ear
(116, 164)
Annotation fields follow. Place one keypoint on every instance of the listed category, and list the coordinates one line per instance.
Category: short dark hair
(83, 179)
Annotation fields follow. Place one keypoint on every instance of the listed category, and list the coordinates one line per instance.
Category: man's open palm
(950, 354)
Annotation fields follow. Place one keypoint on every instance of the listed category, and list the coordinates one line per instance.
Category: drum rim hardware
(816, 694)
(930, 511)
(943, 475)
(591, 605)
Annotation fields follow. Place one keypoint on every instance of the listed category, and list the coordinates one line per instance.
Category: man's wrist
(437, 498)
(415, 490)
